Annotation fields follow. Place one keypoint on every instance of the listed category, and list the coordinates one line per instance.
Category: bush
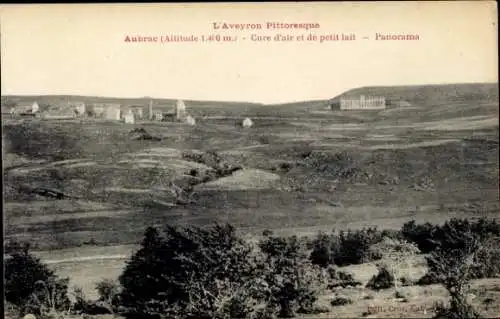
(340, 301)
(405, 281)
(384, 279)
(267, 232)
(323, 250)
(453, 239)
(31, 286)
(456, 310)
(109, 293)
(185, 272)
(294, 283)
(214, 160)
(421, 235)
(354, 246)
(346, 248)
(340, 279)
(451, 266)
(429, 237)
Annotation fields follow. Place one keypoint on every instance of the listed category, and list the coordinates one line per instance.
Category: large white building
(363, 103)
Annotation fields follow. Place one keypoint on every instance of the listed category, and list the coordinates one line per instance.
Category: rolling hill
(302, 166)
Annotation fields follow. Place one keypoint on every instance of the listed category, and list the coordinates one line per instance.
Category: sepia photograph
(250, 160)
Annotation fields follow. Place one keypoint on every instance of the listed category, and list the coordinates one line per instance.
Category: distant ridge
(52, 98)
(422, 94)
(428, 94)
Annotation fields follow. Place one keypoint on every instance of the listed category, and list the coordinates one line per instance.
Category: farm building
(59, 114)
(125, 111)
(26, 109)
(109, 111)
(96, 110)
(112, 112)
(169, 117)
(129, 118)
(360, 103)
(79, 107)
(138, 112)
(157, 116)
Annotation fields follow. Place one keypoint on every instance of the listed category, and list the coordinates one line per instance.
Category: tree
(181, 272)
(293, 282)
(451, 266)
(109, 291)
(31, 286)
(397, 254)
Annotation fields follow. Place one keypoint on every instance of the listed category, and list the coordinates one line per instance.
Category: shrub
(399, 295)
(109, 292)
(454, 239)
(214, 160)
(397, 254)
(353, 247)
(267, 232)
(420, 234)
(405, 281)
(451, 266)
(340, 279)
(31, 286)
(346, 248)
(384, 279)
(294, 283)
(323, 250)
(184, 272)
(456, 310)
(429, 237)
(81, 302)
(340, 301)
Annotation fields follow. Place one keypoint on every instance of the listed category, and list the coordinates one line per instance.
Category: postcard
(250, 160)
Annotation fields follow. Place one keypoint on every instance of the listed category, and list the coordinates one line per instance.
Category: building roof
(75, 103)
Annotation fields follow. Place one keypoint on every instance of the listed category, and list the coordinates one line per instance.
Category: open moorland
(82, 192)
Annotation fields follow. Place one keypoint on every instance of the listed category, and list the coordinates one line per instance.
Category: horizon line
(243, 101)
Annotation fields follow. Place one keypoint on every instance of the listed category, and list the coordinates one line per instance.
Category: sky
(79, 49)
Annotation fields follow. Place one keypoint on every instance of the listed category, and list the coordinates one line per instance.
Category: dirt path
(85, 258)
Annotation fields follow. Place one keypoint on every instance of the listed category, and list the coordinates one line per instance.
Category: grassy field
(304, 170)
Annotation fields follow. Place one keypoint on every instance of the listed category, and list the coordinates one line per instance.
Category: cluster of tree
(349, 247)
(214, 273)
